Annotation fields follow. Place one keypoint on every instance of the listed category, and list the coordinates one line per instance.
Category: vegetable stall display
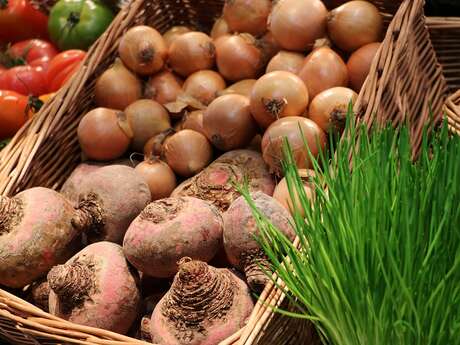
(208, 112)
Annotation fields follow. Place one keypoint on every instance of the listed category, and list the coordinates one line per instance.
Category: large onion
(355, 24)
(298, 131)
(329, 108)
(104, 134)
(286, 61)
(278, 94)
(147, 118)
(159, 177)
(194, 121)
(228, 123)
(117, 87)
(187, 152)
(163, 87)
(247, 15)
(297, 24)
(143, 50)
(220, 28)
(283, 196)
(359, 64)
(170, 35)
(323, 69)
(242, 87)
(191, 52)
(238, 57)
(204, 85)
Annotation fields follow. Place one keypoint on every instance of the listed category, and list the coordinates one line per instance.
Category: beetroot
(169, 229)
(36, 233)
(240, 231)
(96, 288)
(214, 183)
(115, 193)
(204, 306)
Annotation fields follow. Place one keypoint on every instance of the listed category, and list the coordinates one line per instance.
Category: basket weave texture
(404, 80)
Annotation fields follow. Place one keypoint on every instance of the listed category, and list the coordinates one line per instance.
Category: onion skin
(238, 57)
(159, 177)
(329, 108)
(269, 46)
(163, 87)
(143, 50)
(102, 136)
(187, 152)
(286, 61)
(220, 28)
(228, 123)
(272, 142)
(281, 193)
(355, 24)
(204, 85)
(278, 94)
(359, 64)
(117, 87)
(170, 35)
(194, 121)
(323, 69)
(242, 87)
(191, 52)
(247, 15)
(296, 24)
(147, 118)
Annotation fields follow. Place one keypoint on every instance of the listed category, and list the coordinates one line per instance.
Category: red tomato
(41, 63)
(13, 113)
(25, 80)
(62, 66)
(32, 50)
(2, 69)
(19, 20)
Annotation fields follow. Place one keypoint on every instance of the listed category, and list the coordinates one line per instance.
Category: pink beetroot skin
(215, 182)
(241, 231)
(36, 233)
(169, 229)
(204, 306)
(96, 288)
(115, 193)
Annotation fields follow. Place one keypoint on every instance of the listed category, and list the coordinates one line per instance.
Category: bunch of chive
(379, 261)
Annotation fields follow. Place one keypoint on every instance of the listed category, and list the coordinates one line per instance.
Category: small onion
(247, 15)
(296, 24)
(117, 87)
(228, 123)
(242, 87)
(329, 108)
(163, 87)
(170, 35)
(292, 128)
(238, 57)
(278, 94)
(194, 121)
(323, 69)
(286, 61)
(204, 85)
(149, 147)
(282, 195)
(147, 118)
(104, 134)
(187, 152)
(191, 52)
(269, 46)
(355, 24)
(159, 177)
(359, 64)
(143, 50)
(220, 28)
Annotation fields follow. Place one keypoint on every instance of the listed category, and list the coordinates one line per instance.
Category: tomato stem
(3, 4)
(73, 19)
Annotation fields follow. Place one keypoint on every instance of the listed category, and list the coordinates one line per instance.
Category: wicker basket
(452, 110)
(404, 79)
